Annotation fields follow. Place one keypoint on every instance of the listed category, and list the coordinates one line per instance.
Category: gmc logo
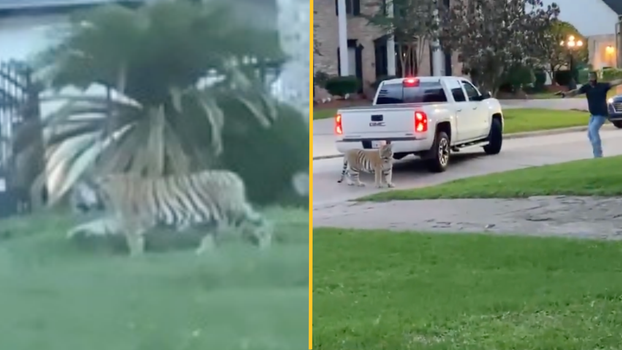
(376, 124)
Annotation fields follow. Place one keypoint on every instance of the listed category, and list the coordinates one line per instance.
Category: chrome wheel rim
(443, 151)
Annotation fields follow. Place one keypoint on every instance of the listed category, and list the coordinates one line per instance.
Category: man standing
(596, 94)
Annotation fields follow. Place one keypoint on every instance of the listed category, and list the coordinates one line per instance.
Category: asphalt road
(517, 153)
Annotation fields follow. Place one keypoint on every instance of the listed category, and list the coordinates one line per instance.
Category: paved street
(324, 141)
(517, 153)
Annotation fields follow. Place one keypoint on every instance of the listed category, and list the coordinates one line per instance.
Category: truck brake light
(421, 122)
(410, 82)
(338, 126)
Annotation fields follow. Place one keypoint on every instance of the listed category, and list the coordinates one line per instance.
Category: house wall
(590, 17)
(599, 56)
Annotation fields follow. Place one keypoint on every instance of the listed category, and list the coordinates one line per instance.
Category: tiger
(213, 199)
(379, 162)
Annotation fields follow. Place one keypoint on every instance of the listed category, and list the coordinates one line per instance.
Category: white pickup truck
(429, 117)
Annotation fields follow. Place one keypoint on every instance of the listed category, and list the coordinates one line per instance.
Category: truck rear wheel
(495, 138)
(438, 157)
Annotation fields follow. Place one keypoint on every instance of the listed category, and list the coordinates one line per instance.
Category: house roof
(40, 4)
(615, 5)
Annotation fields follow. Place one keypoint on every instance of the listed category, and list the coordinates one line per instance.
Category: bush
(582, 76)
(540, 80)
(516, 78)
(341, 86)
(563, 77)
(268, 158)
(611, 74)
(320, 78)
(376, 83)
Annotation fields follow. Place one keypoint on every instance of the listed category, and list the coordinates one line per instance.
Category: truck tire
(438, 156)
(495, 138)
(617, 124)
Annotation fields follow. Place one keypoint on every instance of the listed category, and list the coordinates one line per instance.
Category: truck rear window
(424, 92)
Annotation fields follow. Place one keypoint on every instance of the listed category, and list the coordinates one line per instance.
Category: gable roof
(615, 5)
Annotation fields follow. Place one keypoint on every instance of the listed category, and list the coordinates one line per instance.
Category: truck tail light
(421, 122)
(338, 126)
(410, 82)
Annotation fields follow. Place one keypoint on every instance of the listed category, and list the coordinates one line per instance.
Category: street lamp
(571, 44)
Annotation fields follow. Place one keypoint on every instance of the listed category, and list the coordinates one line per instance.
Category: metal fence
(19, 103)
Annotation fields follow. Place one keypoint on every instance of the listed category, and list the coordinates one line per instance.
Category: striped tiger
(379, 162)
(213, 199)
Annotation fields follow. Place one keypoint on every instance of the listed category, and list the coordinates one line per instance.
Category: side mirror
(486, 95)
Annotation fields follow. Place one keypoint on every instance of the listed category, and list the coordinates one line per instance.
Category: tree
(493, 36)
(161, 114)
(558, 55)
(411, 23)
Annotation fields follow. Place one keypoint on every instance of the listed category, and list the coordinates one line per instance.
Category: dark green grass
(60, 295)
(590, 177)
(377, 290)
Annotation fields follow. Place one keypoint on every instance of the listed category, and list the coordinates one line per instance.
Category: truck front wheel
(438, 156)
(617, 124)
(495, 138)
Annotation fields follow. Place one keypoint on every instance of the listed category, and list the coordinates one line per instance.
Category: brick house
(367, 47)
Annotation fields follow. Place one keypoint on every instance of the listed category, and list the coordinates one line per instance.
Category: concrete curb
(518, 135)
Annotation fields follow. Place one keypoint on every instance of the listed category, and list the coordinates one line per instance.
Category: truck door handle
(474, 108)
(459, 110)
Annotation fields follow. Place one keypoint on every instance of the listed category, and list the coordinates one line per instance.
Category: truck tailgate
(389, 122)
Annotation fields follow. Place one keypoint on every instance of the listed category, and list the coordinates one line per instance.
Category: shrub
(563, 77)
(540, 80)
(582, 76)
(341, 86)
(268, 158)
(611, 74)
(320, 78)
(376, 83)
(516, 78)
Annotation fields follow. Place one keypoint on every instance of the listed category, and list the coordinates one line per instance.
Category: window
(426, 92)
(458, 94)
(471, 91)
(353, 7)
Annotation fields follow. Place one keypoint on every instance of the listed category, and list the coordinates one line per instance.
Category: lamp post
(571, 44)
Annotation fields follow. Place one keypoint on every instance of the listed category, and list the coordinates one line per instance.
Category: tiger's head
(386, 151)
(86, 197)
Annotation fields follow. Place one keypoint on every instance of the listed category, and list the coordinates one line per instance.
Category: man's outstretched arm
(615, 82)
(573, 93)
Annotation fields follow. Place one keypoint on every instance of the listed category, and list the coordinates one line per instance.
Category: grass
(518, 120)
(323, 113)
(591, 177)
(376, 290)
(59, 295)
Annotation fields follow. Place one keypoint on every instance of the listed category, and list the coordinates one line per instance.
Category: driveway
(516, 153)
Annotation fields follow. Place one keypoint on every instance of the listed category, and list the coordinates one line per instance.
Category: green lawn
(591, 177)
(60, 295)
(518, 120)
(389, 291)
(323, 113)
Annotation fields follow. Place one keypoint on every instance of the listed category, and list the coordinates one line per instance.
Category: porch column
(438, 62)
(390, 45)
(343, 38)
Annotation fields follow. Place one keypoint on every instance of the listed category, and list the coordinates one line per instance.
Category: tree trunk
(293, 25)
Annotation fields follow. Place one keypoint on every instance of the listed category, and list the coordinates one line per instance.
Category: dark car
(614, 105)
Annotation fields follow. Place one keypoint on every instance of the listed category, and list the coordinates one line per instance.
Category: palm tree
(166, 78)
